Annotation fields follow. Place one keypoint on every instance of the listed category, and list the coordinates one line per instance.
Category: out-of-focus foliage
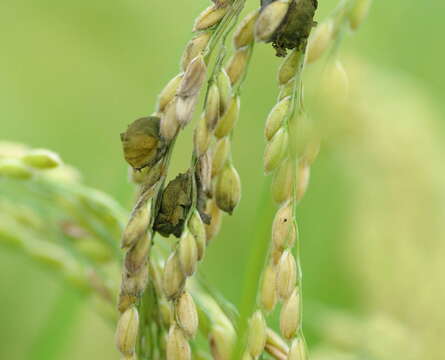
(391, 153)
(75, 74)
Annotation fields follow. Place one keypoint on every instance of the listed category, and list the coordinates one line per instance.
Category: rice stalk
(291, 149)
(148, 143)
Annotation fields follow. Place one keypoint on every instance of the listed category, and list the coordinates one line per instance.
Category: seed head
(215, 223)
(220, 156)
(148, 175)
(178, 347)
(165, 311)
(138, 224)
(225, 91)
(268, 288)
(228, 189)
(210, 17)
(185, 107)
(276, 116)
(286, 275)
(304, 131)
(188, 253)
(237, 64)
(221, 342)
(142, 143)
(275, 341)
(137, 255)
(257, 334)
(270, 19)
(186, 315)
(195, 47)
(169, 92)
(156, 274)
(125, 301)
(284, 229)
(42, 159)
(133, 283)
(189, 90)
(283, 181)
(212, 107)
(297, 350)
(358, 13)
(228, 120)
(137, 176)
(275, 255)
(15, 169)
(169, 121)
(197, 229)
(290, 316)
(173, 279)
(244, 34)
(275, 150)
(287, 89)
(127, 331)
(204, 179)
(319, 41)
(202, 137)
(290, 66)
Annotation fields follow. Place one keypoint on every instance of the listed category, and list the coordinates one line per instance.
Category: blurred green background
(73, 75)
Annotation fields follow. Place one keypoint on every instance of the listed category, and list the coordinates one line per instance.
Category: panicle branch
(148, 145)
(292, 147)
